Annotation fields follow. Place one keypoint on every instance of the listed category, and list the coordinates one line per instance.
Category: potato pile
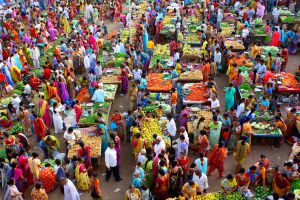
(192, 75)
(93, 141)
(235, 44)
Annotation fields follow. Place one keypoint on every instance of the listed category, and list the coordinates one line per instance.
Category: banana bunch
(226, 31)
(187, 49)
(162, 50)
(167, 19)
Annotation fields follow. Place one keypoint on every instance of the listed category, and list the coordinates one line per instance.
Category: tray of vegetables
(17, 128)
(287, 19)
(195, 93)
(157, 82)
(262, 193)
(273, 50)
(110, 91)
(113, 79)
(265, 130)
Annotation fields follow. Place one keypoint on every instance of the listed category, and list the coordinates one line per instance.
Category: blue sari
(7, 75)
(105, 138)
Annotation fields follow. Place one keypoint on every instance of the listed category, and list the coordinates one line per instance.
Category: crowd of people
(64, 40)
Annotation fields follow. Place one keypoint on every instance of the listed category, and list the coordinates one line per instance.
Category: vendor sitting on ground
(263, 104)
(229, 185)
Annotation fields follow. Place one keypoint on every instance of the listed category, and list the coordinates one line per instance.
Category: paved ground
(115, 191)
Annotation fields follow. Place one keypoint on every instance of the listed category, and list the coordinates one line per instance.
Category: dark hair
(253, 167)
(241, 171)
(38, 186)
(35, 155)
(57, 162)
(229, 176)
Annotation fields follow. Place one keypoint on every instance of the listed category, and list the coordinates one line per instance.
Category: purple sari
(16, 175)
(124, 79)
(183, 118)
(64, 95)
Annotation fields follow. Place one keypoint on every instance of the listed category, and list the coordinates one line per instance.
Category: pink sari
(44, 112)
(93, 42)
(24, 166)
(78, 112)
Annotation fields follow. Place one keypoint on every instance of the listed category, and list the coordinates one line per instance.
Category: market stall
(190, 54)
(195, 93)
(196, 112)
(286, 82)
(158, 82)
(88, 136)
(154, 126)
(236, 44)
(111, 79)
(90, 114)
(110, 91)
(156, 100)
(161, 53)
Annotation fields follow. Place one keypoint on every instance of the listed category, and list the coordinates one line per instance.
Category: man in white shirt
(16, 103)
(159, 145)
(217, 57)
(171, 126)
(245, 32)
(27, 89)
(237, 6)
(214, 102)
(69, 135)
(201, 179)
(137, 73)
(219, 18)
(87, 65)
(111, 163)
(241, 108)
(35, 55)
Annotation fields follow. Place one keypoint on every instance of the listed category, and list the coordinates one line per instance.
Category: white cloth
(86, 62)
(240, 109)
(70, 191)
(16, 102)
(11, 192)
(158, 147)
(27, 89)
(219, 16)
(35, 53)
(214, 103)
(137, 74)
(171, 127)
(110, 157)
(245, 33)
(57, 122)
(217, 57)
(202, 181)
(69, 137)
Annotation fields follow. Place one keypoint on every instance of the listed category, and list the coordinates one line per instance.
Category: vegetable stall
(158, 82)
(195, 93)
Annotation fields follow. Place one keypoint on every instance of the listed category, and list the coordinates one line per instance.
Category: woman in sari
(233, 72)
(24, 166)
(275, 40)
(176, 179)
(64, 95)
(48, 178)
(285, 56)
(229, 96)
(292, 41)
(216, 159)
(243, 182)
(24, 116)
(35, 166)
(203, 143)
(124, 79)
(45, 86)
(53, 92)
(44, 111)
(84, 152)
(162, 185)
(16, 175)
(66, 25)
(238, 79)
(70, 86)
(148, 169)
(104, 136)
(78, 110)
(83, 181)
(15, 74)
(40, 128)
(280, 184)
(215, 130)
(240, 152)
(183, 117)
(290, 122)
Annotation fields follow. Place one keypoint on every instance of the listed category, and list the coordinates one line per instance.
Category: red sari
(24, 166)
(40, 128)
(85, 154)
(275, 41)
(183, 163)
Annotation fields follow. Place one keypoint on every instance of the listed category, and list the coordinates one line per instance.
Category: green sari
(148, 168)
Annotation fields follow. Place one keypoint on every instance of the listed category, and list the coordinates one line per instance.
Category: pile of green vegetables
(287, 19)
(49, 161)
(19, 87)
(3, 153)
(17, 128)
(262, 193)
(295, 184)
(273, 50)
(285, 12)
(235, 196)
(6, 101)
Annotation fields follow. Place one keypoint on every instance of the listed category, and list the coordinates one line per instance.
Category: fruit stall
(195, 93)
(125, 33)
(158, 82)
(110, 91)
(88, 136)
(227, 29)
(90, 117)
(192, 39)
(111, 79)
(273, 50)
(242, 60)
(196, 112)
(167, 32)
(152, 126)
(229, 17)
(236, 44)
(190, 54)
(191, 76)
(161, 53)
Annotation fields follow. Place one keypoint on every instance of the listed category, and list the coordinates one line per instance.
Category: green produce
(245, 86)
(287, 19)
(19, 86)
(17, 128)
(6, 101)
(49, 161)
(149, 109)
(271, 49)
(262, 193)
(91, 119)
(295, 184)
(298, 13)
(285, 12)
(235, 196)
(3, 153)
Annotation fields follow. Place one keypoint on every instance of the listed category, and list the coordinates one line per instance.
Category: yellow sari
(67, 28)
(83, 181)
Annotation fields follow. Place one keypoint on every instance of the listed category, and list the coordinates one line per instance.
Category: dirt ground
(115, 190)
